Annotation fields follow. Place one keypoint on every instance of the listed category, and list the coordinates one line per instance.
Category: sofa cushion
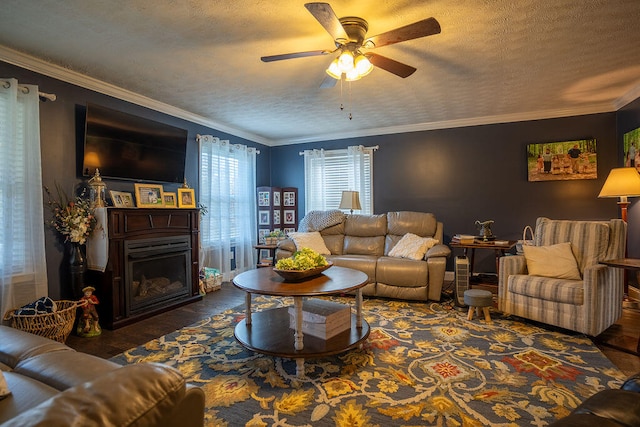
(371, 246)
(412, 246)
(364, 263)
(312, 240)
(402, 272)
(365, 225)
(548, 289)
(25, 394)
(18, 345)
(403, 222)
(334, 242)
(64, 369)
(555, 261)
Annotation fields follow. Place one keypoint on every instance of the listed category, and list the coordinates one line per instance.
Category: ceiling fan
(349, 35)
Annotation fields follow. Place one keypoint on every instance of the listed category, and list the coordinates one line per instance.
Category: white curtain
(360, 175)
(227, 189)
(23, 272)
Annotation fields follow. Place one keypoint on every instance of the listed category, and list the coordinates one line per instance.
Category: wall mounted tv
(124, 146)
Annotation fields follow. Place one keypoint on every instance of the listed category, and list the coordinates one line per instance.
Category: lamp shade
(350, 200)
(621, 182)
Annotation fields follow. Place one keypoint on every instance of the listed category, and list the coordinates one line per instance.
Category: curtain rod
(198, 136)
(374, 148)
(43, 95)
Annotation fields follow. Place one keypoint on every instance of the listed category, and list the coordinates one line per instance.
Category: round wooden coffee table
(268, 331)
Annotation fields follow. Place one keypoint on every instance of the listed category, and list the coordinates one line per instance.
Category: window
(330, 172)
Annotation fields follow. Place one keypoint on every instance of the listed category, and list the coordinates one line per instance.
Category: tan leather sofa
(53, 385)
(363, 242)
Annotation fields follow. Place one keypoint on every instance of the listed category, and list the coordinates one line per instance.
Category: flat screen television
(124, 146)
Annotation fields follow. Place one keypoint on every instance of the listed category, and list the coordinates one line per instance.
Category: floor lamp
(622, 183)
(350, 200)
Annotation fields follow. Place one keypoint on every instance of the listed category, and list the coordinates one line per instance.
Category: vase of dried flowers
(75, 220)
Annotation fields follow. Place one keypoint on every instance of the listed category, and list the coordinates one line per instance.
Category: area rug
(423, 364)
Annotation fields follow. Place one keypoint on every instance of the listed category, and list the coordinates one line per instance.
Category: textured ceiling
(494, 61)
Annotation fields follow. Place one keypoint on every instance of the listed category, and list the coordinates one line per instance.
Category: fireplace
(157, 271)
(152, 267)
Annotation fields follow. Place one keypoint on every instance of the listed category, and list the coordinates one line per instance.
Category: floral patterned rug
(423, 364)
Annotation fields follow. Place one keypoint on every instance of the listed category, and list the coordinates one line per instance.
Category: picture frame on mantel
(121, 199)
(170, 200)
(149, 195)
(562, 161)
(186, 198)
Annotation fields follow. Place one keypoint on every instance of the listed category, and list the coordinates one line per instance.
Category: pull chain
(350, 116)
(349, 100)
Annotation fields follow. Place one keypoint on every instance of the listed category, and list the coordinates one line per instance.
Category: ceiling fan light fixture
(345, 61)
(334, 70)
(363, 65)
(352, 75)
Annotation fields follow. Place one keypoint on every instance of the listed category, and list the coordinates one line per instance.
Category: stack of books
(463, 239)
(321, 318)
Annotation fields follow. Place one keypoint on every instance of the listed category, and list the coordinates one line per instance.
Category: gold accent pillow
(556, 261)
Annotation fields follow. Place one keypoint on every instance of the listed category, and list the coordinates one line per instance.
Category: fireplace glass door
(158, 271)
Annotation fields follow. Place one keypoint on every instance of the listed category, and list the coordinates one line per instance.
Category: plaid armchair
(589, 305)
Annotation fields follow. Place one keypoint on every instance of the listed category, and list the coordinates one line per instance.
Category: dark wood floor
(625, 333)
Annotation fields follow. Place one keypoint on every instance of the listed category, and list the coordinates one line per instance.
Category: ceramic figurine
(88, 326)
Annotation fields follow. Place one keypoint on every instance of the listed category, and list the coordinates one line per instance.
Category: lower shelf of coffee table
(269, 333)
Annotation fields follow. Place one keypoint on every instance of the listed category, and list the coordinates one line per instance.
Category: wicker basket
(56, 326)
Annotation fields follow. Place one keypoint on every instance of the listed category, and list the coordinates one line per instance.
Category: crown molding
(604, 107)
(57, 72)
(628, 97)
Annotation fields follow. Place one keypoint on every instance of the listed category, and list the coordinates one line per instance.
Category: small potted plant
(273, 237)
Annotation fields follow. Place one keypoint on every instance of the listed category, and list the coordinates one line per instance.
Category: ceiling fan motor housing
(356, 28)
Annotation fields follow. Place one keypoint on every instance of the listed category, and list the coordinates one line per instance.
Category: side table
(500, 247)
(272, 254)
(630, 264)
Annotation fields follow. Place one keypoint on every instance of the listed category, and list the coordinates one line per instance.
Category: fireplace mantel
(130, 225)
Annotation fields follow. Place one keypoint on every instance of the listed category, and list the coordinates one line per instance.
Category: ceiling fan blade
(328, 19)
(294, 55)
(390, 65)
(328, 82)
(426, 27)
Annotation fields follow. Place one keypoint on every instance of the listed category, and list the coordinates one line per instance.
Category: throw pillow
(556, 261)
(312, 240)
(4, 389)
(412, 246)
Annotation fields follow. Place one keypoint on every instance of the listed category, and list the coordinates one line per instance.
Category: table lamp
(350, 200)
(622, 183)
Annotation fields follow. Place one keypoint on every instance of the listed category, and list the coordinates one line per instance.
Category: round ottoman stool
(478, 299)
